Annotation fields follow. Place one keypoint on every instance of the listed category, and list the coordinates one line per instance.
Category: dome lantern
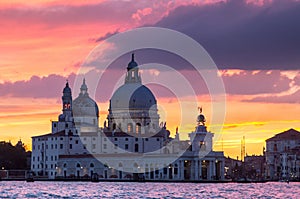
(83, 88)
(132, 64)
(132, 75)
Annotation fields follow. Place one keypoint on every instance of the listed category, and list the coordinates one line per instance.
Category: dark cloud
(243, 36)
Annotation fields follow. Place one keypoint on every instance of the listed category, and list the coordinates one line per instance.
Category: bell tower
(65, 120)
(67, 101)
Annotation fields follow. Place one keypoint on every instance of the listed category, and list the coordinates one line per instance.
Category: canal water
(11, 189)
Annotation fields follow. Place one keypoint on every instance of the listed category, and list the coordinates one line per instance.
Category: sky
(255, 45)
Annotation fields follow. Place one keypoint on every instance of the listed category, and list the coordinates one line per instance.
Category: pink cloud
(297, 80)
(140, 13)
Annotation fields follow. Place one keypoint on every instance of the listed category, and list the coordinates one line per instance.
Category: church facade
(132, 144)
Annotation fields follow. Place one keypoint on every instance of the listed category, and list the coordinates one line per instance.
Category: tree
(13, 157)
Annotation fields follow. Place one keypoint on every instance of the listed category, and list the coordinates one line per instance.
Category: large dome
(133, 96)
(83, 105)
(133, 107)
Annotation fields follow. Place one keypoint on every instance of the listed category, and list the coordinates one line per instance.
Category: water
(147, 190)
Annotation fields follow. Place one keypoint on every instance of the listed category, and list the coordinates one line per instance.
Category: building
(283, 156)
(132, 144)
(254, 167)
(233, 168)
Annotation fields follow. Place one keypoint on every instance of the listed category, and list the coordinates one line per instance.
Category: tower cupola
(67, 98)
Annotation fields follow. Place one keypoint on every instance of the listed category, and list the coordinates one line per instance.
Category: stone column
(209, 175)
(196, 169)
(222, 169)
(181, 167)
(200, 169)
(168, 172)
(192, 169)
(214, 169)
(173, 167)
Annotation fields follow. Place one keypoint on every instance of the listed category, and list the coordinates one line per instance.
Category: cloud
(164, 84)
(243, 36)
(140, 13)
(61, 15)
(259, 82)
(36, 87)
(120, 14)
(107, 35)
(293, 98)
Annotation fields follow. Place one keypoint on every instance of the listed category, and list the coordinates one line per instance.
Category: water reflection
(147, 190)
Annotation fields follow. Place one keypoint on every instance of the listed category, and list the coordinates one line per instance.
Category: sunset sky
(255, 45)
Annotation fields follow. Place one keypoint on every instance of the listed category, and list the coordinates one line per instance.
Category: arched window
(78, 165)
(136, 148)
(114, 126)
(138, 128)
(92, 165)
(65, 165)
(129, 128)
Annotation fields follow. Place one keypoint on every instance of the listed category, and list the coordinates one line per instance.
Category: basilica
(131, 145)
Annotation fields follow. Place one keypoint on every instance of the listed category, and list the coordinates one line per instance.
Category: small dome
(200, 118)
(132, 64)
(133, 96)
(83, 105)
